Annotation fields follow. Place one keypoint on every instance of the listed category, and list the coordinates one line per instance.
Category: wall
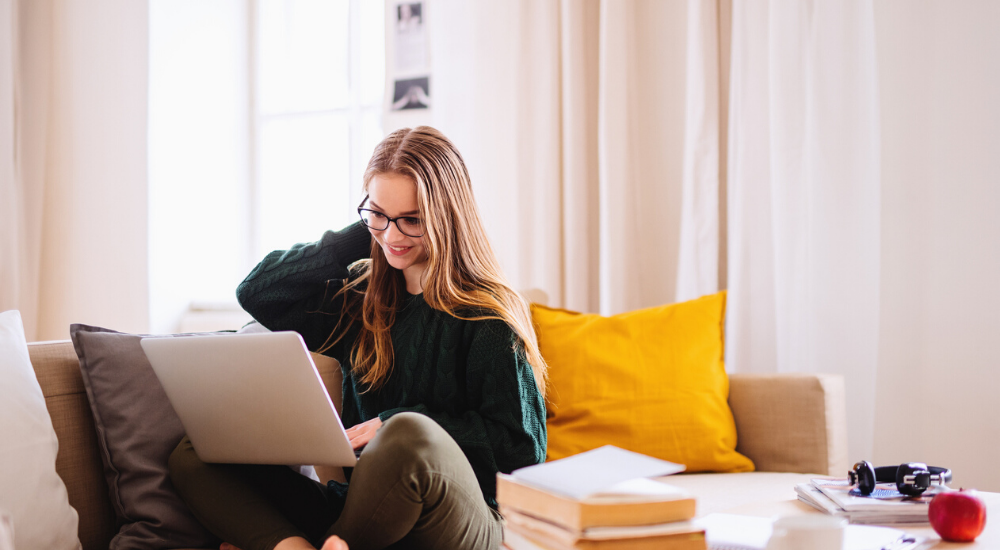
(939, 70)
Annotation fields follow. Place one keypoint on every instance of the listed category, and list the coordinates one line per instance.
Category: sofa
(787, 424)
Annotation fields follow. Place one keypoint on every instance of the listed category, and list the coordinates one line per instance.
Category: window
(317, 110)
(263, 115)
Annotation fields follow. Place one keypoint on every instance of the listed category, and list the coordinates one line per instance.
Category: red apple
(958, 516)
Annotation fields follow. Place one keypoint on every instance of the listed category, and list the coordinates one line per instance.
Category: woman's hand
(361, 434)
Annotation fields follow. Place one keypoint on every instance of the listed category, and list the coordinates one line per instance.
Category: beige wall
(938, 378)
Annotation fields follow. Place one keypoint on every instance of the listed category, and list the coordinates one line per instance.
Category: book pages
(591, 472)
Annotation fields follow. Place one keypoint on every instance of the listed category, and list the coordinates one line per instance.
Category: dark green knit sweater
(466, 375)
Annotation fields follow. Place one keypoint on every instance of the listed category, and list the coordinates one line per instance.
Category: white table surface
(772, 495)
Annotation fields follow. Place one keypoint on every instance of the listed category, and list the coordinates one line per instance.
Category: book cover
(635, 502)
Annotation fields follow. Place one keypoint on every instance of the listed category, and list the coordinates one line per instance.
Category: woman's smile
(398, 250)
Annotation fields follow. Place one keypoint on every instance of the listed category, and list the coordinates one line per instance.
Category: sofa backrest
(791, 422)
(79, 461)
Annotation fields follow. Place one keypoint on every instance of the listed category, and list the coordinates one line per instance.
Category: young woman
(443, 381)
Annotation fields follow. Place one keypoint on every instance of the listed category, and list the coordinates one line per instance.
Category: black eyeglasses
(407, 225)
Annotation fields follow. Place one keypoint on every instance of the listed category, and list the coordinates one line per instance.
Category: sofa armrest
(791, 422)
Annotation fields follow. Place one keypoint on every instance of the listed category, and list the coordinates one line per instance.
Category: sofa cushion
(30, 489)
(137, 429)
(750, 493)
(651, 381)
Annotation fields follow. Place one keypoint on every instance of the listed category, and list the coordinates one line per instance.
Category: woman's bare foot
(334, 543)
(294, 543)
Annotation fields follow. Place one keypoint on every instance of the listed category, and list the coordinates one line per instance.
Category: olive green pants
(411, 488)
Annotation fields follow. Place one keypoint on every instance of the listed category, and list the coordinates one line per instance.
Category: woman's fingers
(361, 434)
(361, 438)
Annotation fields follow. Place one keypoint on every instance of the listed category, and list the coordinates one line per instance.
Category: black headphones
(912, 478)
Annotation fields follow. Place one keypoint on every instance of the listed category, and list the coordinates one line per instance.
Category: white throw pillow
(30, 489)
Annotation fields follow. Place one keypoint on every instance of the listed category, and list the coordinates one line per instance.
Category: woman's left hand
(362, 433)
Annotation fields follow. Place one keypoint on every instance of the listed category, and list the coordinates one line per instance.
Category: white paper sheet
(736, 532)
(591, 472)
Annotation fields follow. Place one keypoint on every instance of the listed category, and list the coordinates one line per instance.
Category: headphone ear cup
(865, 475)
(921, 478)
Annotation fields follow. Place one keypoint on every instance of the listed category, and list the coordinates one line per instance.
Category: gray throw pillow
(137, 429)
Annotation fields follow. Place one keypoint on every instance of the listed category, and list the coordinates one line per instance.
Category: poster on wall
(413, 93)
(411, 83)
(411, 44)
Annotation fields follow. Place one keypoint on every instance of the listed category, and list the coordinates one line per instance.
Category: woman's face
(395, 196)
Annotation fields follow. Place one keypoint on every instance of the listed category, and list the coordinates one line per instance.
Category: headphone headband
(911, 478)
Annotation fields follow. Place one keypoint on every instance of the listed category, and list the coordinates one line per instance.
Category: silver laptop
(250, 399)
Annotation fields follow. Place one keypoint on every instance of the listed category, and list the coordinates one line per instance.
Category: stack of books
(637, 514)
(885, 505)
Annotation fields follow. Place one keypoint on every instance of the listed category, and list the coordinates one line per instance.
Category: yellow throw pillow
(650, 381)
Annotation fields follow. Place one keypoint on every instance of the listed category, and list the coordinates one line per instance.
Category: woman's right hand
(361, 434)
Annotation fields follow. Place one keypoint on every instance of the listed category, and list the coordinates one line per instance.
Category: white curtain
(10, 222)
(73, 164)
(804, 197)
(570, 115)
(702, 266)
(24, 71)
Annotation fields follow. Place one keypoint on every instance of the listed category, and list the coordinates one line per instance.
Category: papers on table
(735, 532)
(834, 496)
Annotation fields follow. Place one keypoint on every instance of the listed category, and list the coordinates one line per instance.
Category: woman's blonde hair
(462, 277)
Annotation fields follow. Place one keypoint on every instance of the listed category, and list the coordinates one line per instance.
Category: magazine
(886, 505)
(811, 495)
(885, 497)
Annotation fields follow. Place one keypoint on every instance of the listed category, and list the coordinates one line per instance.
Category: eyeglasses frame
(391, 220)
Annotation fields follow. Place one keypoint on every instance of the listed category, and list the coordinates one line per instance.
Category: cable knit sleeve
(293, 289)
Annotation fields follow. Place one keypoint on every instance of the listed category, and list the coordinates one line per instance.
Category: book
(635, 502)
(885, 505)
(513, 540)
(538, 533)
